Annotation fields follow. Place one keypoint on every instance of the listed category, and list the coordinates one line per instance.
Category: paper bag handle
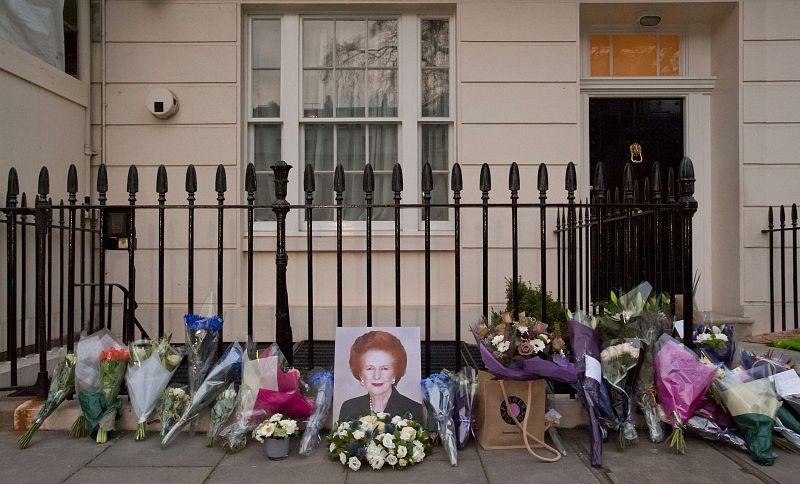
(524, 428)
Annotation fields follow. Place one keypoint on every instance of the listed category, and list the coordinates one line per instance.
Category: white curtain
(35, 26)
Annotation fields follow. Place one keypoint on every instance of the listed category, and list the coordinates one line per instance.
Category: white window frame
(409, 119)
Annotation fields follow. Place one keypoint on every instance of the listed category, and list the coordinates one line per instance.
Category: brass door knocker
(636, 153)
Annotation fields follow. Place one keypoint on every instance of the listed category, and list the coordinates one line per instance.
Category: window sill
(352, 242)
(648, 84)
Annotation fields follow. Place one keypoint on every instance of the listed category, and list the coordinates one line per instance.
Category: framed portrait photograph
(378, 370)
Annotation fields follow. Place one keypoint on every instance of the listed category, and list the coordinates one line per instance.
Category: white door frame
(696, 93)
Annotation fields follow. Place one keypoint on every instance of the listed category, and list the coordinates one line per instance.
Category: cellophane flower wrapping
(788, 427)
(174, 400)
(620, 312)
(753, 405)
(379, 440)
(620, 363)
(439, 392)
(202, 340)
(466, 388)
(320, 385)
(585, 343)
(654, 321)
(87, 369)
(221, 375)
(151, 367)
(221, 411)
(681, 382)
(62, 385)
(712, 422)
(267, 388)
(101, 408)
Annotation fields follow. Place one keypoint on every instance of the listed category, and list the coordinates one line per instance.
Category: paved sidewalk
(54, 457)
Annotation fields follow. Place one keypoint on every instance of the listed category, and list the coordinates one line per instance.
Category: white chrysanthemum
(522, 329)
(503, 346)
(497, 339)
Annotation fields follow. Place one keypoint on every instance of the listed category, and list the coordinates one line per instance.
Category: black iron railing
(782, 229)
(602, 243)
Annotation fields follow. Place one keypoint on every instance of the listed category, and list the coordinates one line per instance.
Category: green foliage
(530, 303)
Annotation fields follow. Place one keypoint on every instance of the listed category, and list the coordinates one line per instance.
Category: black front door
(617, 123)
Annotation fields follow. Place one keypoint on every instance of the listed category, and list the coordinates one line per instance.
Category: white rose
(391, 460)
(418, 455)
(358, 434)
(381, 415)
(402, 462)
(354, 463)
(402, 423)
(402, 451)
(343, 457)
(388, 441)
(418, 444)
(408, 434)
(396, 419)
(377, 462)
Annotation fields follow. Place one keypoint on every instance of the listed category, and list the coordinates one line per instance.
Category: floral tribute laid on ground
(622, 360)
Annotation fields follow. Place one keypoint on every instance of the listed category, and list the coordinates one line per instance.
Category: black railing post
(11, 274)
(283, 326)
(92, 268)
(23, 279)
(628, 199)
(485, 187)
(601, 267)
(50, 274)
(61, 257)
(220, 186)
(658, 280)
(543, 184)
(72, 190)
(456, 184)
(397, 188)
(427, 188)
(130, 319)
(368, 184)
(191, 189)
(673, 290)
(41, 217)
(250, 188)
(771, 233)
(102, 188)
(571, 184)
(513, 187)
(308, 187)
(338, 187)
(688, 209)
(794, 262)
(782, 219)
(162, 187)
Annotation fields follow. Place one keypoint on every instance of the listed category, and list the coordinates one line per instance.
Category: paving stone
(133, 475)
(470, 452)
(252, 465)
(51, 457)
(185, 451)
(428, 471)
(518, 466)
(784, 470)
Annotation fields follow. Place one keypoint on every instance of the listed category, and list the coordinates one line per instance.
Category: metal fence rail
(781, 229)
(602, 244)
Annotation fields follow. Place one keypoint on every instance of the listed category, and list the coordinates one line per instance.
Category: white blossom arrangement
(379, 440)
(276, 427)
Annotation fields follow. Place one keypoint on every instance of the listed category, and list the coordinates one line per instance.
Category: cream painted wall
(42, 124)
(770, 137)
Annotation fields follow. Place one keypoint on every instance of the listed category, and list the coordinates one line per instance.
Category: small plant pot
(277, 449)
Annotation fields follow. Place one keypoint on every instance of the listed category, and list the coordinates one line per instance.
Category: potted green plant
(276, 432)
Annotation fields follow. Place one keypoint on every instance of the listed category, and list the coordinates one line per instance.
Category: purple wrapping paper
(585, 341)
(559, 369)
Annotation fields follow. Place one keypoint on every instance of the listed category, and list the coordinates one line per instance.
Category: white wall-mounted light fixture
(648, 19)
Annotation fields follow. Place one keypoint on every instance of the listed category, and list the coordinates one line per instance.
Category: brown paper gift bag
(510, 415)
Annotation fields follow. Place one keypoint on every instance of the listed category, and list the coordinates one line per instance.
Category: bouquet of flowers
(100, 408)
(202, 339)
(223, 374)
(716, 342)
(439, 392)
(466, 387)
(620, 364)
(151, 367)
(621, 311)
(275, 427)
(87, 369)
(753, 405)
(648, 327)
(379, 440)
(61, 386)
(220, 413)
(522, 350)
(266, 389)
(321, 387)
(173, 402)
(681, 381)
(585, 343)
